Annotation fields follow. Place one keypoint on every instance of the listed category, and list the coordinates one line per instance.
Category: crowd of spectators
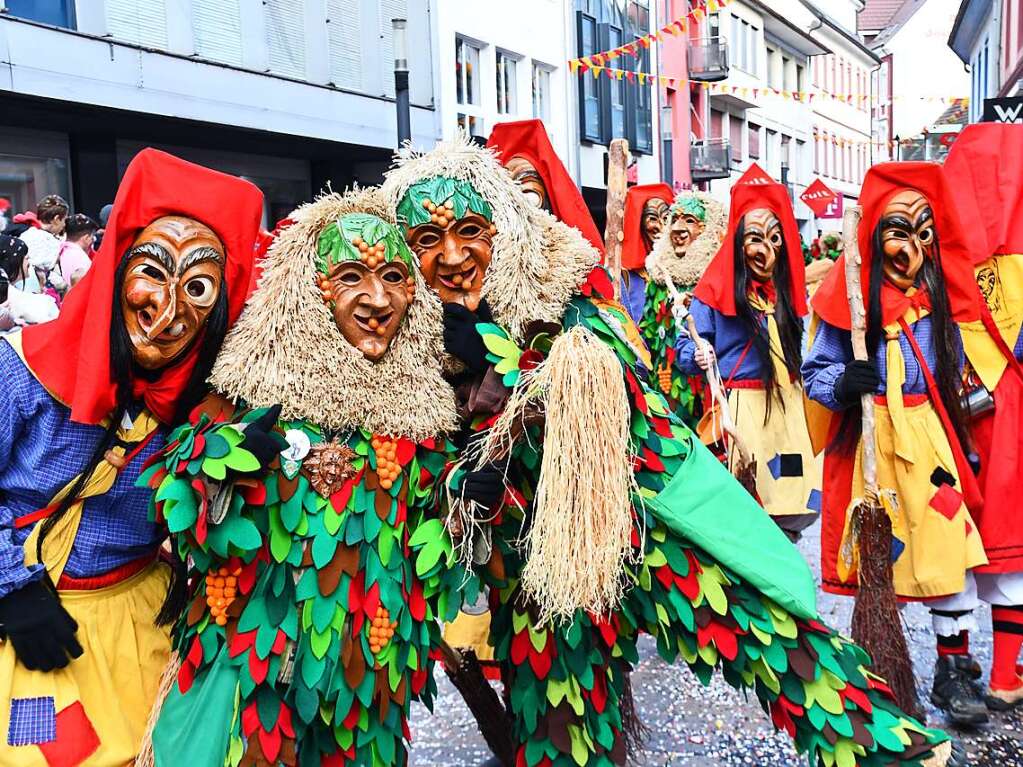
(43, 254)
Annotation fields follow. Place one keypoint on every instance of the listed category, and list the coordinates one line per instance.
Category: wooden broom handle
(858, 316)
(614, 231)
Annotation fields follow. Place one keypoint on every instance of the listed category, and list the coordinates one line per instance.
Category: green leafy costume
(710, 577)
(320, 581)
(657, 323)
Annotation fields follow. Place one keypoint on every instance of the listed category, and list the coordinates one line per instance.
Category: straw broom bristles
(146, 757)
(581, 526)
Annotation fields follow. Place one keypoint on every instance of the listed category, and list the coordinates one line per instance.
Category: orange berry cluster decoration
(388, 467)
(442, 214)
(381, 630)
(664, 378)
(370, 255)
(410, 288)
(326, 290)
(221, 590)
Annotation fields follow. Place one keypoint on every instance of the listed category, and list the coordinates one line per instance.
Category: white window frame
(470, 101)
(541, 72)
(506, 62)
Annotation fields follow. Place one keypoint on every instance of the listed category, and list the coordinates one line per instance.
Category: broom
(876, 623)
(744, 467)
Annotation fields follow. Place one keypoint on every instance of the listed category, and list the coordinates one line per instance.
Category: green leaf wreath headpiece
(687, 203)
(413, 210)
(340, 241)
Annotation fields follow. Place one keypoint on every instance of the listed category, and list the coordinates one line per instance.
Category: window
(787, 81)
(799, 162)
(744, 45)
(770, 151)
(33, 164)
(217, 31)
(772, 76)
(717, 121)
(467, 86)
(138, 21)
(60, 13)
(541, 92)
(753, 134)
(800, 78)
(615, 108)
(506, 97)
(735, 138)
(285, 36)
(344, 41)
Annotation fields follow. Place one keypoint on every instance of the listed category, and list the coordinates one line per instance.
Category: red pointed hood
(881, 183)
(716, 287)
(71, 355)
(528, 139)
(634, 250)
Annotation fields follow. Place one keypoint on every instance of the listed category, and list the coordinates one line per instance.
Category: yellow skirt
(936, 540)
(788, 474)
(94, 711)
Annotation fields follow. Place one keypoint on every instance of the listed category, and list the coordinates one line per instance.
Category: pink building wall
(674, 64)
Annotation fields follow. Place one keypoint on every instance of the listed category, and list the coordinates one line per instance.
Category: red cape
(984, 171)
(881, 183)
(634, 250)
(71, 355)
(528, 139)
(716, 287)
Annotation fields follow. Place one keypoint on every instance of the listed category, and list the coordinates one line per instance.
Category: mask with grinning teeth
(173, 279)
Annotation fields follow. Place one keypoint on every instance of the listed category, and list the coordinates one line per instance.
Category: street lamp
(401, 92)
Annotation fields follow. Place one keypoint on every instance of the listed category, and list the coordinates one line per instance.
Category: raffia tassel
(146, 757)
(582, 516)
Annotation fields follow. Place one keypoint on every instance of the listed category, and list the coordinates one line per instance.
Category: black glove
(261, 440)
(485, 486)
(41, 630)
(860, 377)
(4, 284)
(461, 339)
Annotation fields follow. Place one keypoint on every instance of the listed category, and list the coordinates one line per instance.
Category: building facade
(292, 94)
(976, 38)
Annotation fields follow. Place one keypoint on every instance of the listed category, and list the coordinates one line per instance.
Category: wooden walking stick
(614, 230)
(876, 623)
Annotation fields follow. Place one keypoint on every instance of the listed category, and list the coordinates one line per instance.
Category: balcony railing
(708, 60)
(710, 159)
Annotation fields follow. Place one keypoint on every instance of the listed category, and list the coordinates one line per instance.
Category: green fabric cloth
(194, 728)
(705, 505)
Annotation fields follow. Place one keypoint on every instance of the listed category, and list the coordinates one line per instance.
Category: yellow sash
(60, 540)
(896, 378)
(781, 372)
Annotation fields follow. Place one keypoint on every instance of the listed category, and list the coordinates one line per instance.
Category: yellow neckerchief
(896, 377)
(781, 372)
(60, 540)
(1001, 278)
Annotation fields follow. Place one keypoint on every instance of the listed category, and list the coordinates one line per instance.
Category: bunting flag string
(821, 136)
(679, 26)
(805, 97)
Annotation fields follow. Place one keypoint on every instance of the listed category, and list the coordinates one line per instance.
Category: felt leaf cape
(881, 183)
(712, 579)
(71, 354)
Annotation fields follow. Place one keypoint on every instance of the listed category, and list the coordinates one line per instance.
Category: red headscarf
(71, 354)
(634, 252)
(984, 171)
(881, 183)
(716, 287)
(528, 139)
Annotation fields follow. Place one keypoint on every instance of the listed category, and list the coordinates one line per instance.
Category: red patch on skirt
(76, 739)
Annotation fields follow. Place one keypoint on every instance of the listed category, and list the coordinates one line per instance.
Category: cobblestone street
(693, 726)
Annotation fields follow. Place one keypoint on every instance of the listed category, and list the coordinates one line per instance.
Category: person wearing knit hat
(696, 225)
(322, 567)
(86, 400)
(605, 487)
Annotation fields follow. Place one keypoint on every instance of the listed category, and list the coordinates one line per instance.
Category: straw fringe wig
(286, 348)
(537, 263)
(688, 270)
